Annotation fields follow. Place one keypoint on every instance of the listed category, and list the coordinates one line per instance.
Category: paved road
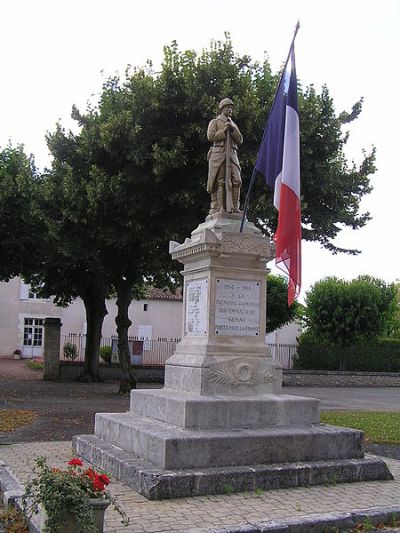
(352, 398)
(68, 408)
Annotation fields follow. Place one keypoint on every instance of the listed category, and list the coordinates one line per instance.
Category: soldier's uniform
(217, 161)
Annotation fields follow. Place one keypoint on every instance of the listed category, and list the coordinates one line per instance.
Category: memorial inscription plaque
(237, 307)
(196, 307)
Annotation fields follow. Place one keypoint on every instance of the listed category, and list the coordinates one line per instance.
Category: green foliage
(392, 327)
(19, 223)
(278, 311)
(70, 351)
(341, 313)
(59, 493)
(228, 489)
(381, 355)
(105, 353)
(148, 134)
(66, 491)
(379, 427)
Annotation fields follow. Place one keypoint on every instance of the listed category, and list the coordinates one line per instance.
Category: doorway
(33, 337)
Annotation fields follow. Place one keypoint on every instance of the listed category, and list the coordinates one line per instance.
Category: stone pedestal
(221, 415)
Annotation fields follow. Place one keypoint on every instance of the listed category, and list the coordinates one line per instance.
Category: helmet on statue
(224, 102)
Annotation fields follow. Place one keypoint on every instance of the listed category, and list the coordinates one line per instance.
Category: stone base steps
(155, 483)
(171, 447)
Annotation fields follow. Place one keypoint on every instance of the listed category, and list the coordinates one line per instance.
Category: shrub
(382, 355)
(105, 353)
(342, 313)
(70, 351)
(62, 491)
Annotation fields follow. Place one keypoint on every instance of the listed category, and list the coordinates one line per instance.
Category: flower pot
(98, 505)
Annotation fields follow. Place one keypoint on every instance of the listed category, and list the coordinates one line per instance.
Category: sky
(57, 53)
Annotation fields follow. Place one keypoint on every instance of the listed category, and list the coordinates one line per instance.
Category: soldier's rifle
(228, 172)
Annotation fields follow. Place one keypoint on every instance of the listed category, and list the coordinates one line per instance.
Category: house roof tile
(153, 293)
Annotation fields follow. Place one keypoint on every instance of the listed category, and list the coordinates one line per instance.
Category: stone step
(156, 484)
(167, 446)
(195, 411)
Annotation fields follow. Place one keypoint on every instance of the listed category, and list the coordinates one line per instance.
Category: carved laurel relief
(242, 374)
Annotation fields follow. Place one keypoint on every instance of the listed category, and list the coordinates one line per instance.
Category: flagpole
(253, 176)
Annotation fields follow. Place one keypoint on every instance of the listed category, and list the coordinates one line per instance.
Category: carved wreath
(243, 374)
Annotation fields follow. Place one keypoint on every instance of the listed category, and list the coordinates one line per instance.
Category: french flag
(279, 161)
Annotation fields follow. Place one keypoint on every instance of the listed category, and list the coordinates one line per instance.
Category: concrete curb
(12, 490)
(323, 523)
(10, 487)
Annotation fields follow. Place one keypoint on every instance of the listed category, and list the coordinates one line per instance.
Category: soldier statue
(224, 179)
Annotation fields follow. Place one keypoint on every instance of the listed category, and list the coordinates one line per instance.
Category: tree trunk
(96, 310)
(124, 297)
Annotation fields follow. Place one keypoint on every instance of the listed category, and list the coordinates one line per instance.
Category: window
(145, 333)
(26, 292)
(33, 331)
(145, 307)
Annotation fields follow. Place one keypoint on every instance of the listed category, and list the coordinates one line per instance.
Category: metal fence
(157, 351)
(143, 351)
(284, 353)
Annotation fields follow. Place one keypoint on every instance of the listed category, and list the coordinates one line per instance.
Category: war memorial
(221, 421)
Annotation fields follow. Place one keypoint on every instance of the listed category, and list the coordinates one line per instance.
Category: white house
(157, 317)
(287, 334)
(22, 314)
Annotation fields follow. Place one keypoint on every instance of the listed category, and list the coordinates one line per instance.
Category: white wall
(285, 335)
(165, 316)
(14, 306)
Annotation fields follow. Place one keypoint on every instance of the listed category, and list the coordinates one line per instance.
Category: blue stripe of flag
(270, 153)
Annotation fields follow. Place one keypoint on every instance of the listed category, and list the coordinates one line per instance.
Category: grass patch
(11, 419)
(380, 427)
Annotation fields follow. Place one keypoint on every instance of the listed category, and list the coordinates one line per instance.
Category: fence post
(51, 350)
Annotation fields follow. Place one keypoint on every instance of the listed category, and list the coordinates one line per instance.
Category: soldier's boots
(235, 199)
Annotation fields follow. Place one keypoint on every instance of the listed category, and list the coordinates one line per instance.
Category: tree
(389, 304)
(20, 230)
(393, 324)
(279, 312)
(70, 255)
(342, 313)
(44, 242)
(138, 167)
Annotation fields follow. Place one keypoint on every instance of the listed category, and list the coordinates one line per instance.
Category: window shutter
(23, 291)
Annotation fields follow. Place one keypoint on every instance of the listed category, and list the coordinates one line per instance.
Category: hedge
(381, 355)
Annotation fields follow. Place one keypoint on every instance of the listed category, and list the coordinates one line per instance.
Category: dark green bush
(382, 355)
(105, 353)
(70, 351)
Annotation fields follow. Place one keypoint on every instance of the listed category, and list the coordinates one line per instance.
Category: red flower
(90, 473)
(104, 479)
(75, 462)
(98, 484)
